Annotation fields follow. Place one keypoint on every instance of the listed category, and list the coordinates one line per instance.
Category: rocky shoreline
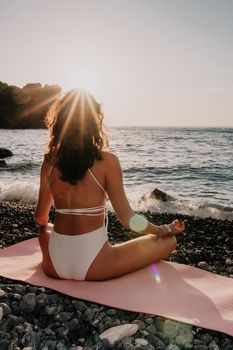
(40, 318)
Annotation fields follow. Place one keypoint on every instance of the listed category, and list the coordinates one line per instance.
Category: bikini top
(92, 211)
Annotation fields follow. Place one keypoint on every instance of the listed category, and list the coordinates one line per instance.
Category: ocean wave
(201, 209)
(17, 167)
(23, 192)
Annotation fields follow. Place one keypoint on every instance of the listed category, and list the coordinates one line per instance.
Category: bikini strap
(97, 181)
(51, 169)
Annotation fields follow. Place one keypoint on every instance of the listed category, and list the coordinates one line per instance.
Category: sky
(150, 62)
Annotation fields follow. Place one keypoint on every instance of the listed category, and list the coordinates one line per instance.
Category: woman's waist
(73, 225)
(77, 226)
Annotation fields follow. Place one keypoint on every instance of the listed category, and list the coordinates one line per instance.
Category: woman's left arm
(45, 199)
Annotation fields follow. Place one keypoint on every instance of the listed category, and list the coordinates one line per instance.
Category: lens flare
(138, 223)
(156, 274)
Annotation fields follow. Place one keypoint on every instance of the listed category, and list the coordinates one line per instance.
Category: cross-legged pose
(78, 174)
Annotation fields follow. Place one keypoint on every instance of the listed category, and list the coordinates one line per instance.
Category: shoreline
(206, 243)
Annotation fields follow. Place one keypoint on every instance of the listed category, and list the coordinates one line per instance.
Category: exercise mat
(176, 291)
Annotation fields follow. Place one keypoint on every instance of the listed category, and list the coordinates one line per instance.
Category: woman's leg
(47, 264)
(113, 261)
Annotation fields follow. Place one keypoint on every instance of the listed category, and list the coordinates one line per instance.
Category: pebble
(159, 323)
(6, 309)
(185, 336)
(128, 346)
(141, 341)
(141, 324)
(2, 294)
(28, 303)
(151, 329)
(172, 347)
(117, 333)
(171, 328)
(203, 265)
(155, 341)
(228, 262)
(200, 347)
(213, 346)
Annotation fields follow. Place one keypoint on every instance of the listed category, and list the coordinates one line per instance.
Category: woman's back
(88, 193)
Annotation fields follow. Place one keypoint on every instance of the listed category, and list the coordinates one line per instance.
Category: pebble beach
(40, 318)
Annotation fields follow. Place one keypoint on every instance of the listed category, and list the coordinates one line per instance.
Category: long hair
(77, 134)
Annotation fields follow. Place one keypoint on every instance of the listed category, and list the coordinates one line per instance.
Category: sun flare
(82, 79)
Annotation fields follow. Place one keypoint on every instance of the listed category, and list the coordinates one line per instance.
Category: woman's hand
(176, 227)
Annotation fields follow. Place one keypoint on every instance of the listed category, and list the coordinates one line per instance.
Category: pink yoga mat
(184, 293)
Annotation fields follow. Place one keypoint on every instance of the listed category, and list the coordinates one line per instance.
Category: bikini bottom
(73, 255)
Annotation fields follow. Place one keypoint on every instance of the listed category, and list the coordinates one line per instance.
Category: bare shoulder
(45, 166)
(110, 160)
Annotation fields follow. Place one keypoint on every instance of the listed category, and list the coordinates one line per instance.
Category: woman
(78, 175)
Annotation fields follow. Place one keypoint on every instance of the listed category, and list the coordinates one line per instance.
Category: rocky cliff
(25, 108)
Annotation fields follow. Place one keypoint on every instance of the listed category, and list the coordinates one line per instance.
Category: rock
(42, 299)
(128, 346)
(151, 329)
(230, 269)
(10, 322)
(64, 316)
(149, 320)
(128, 340)
(203, 265)
(185, 336)
(155, 341)
(3, 164)
(213, 346)
(141, 324)
(171, 328)
(2, 295)
(28, 303)
(159, 323)
(100, 327)
(141, 341)
(4, 152)
(6, 309)
(160, 195)
(114, 334)
(61, 346)
(172, 347)
(88, 315)
(228, 262)
(200, 347)
(111, 312)
(79, 305)
(206, 338)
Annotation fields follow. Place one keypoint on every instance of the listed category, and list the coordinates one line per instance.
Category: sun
(82, 79)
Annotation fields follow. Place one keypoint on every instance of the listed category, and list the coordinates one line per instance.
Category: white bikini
(73, 255)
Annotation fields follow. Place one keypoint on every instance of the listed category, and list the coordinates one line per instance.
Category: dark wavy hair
(77, 134)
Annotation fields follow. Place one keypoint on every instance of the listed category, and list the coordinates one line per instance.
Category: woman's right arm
(120, 203)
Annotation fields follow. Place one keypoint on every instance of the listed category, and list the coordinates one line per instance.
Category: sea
(194, 166)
